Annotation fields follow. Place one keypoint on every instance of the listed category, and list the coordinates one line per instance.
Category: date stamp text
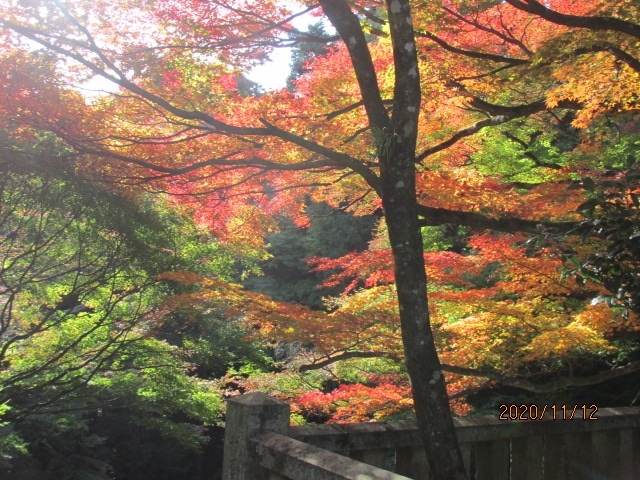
(549, 411)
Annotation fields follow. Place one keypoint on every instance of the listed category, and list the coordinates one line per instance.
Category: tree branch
(348, 27)
(339, 158)
(459, 135)
(550, 387)
(431, 216)
(617, 52)
(345, 356)
(588, 22)
(472, 54)
(502, 114)
(506, 38)
(223, 161)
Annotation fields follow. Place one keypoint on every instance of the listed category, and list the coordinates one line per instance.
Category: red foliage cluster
(355, 402)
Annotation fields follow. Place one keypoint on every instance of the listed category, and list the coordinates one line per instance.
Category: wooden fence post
(247, 416)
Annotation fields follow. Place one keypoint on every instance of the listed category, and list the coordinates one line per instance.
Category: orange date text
(526, 411)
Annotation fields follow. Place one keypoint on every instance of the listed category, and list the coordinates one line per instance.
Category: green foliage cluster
(445, 238)
(611, 225)
(525, 153)
(214, 344)
(81, 361)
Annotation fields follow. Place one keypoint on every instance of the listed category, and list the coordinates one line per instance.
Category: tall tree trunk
(396, 139)
(427, 381)
(398, 189)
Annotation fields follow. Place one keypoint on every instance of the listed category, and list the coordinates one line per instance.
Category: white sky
(273, 75)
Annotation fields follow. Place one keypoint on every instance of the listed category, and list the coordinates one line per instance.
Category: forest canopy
(438, 211)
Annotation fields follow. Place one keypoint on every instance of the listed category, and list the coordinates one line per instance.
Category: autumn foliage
(520, 102)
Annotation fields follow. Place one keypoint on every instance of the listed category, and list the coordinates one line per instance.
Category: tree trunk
(396, 140)
(427, 381)
(396, 152)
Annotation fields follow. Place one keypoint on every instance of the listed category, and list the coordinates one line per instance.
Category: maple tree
(375, 123)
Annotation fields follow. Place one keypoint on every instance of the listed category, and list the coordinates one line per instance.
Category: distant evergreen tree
(305, 50)
(332, 233)
(248, 88)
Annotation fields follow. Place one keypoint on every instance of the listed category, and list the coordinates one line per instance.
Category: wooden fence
(602, 444)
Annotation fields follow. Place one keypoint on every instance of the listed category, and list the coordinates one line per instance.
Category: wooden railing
(260, 445)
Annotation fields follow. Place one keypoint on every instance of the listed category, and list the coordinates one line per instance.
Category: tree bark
(429, 391)
(397, 155)
(396, 140)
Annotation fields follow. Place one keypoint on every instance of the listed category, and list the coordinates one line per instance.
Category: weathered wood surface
(298, 460)
(264, 446)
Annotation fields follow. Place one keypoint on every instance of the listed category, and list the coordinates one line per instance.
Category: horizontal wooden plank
(298, 460)
(370, 436)
(358, 436)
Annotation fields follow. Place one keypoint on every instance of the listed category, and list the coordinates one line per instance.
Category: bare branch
(328, 360)
(459, 135)
(618, 53)
(432, 216)
(591, 23)
(549, 387)
(348, 26)
(502, 114)
(471, 54)
(507, 38)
